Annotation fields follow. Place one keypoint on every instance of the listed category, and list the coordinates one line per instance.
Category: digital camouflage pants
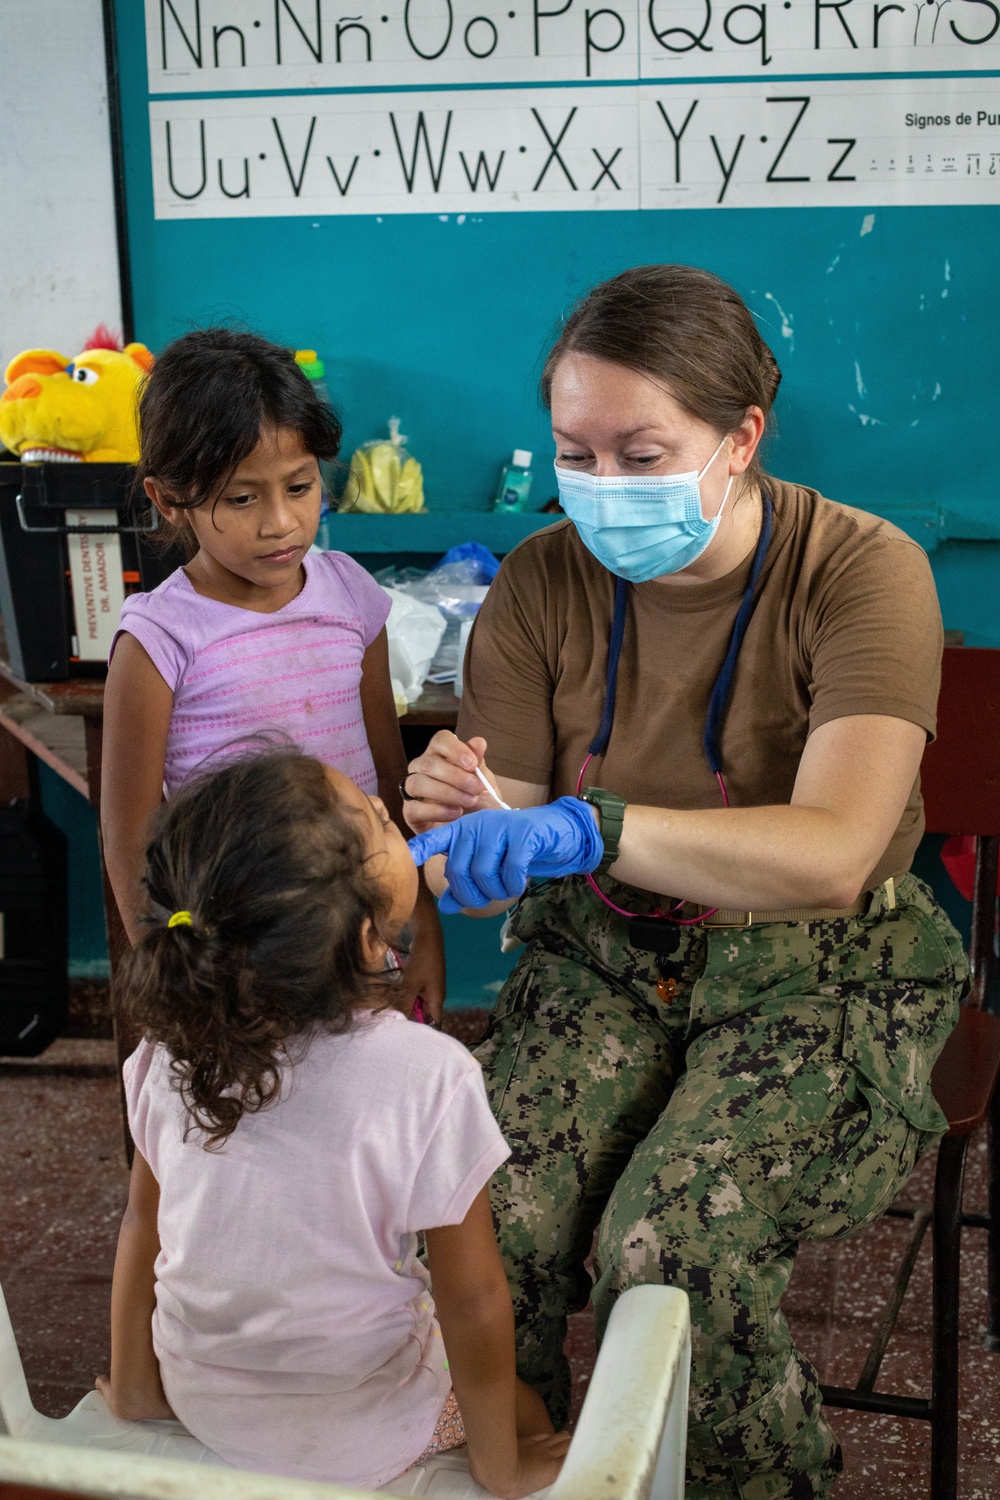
(782, 1094)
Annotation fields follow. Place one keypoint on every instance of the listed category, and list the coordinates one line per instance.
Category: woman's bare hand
(441, 785)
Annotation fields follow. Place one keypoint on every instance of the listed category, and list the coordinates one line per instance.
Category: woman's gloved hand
(492, 855)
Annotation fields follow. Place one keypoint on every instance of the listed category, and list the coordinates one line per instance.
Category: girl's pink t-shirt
(294, 1326)
(235, 673)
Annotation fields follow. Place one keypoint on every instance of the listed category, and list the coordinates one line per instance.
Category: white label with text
(95, 569)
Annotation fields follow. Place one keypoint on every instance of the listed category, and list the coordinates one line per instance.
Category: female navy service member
(719, 1037)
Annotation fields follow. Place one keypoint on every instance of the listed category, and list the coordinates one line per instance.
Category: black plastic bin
(59, 590)
(33, 944)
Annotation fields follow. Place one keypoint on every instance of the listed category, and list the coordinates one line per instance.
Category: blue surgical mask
(640, 527)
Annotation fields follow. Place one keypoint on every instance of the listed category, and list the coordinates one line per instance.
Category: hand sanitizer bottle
(515, 483)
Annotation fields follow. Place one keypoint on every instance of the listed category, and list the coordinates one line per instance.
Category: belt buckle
(747, 922)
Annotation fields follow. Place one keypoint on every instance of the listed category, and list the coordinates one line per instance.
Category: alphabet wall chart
(281, 107)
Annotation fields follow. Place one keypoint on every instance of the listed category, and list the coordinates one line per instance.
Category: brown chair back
(960, 775)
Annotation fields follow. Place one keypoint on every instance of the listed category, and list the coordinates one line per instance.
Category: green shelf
(434, 532)
(437, 530)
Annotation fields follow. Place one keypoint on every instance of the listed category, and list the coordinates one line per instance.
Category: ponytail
(264, 872)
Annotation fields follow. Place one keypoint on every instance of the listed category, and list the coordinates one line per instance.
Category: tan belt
(727, 917)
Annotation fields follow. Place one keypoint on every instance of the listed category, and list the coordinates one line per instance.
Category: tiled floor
(63, 1186)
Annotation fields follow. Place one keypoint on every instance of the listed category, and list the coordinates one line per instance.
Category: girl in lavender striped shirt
(254, 635)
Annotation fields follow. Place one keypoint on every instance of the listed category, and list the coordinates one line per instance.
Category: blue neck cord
(719, 701)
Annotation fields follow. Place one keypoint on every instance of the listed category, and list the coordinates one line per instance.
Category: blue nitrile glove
(492, 855)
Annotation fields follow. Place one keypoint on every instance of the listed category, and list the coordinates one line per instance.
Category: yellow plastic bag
(384, 479)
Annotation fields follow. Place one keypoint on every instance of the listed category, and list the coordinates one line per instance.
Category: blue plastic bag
(485, 564)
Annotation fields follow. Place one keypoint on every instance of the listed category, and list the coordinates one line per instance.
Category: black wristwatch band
(612, 811)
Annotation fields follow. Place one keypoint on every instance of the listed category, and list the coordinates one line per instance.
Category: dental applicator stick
(506, 806)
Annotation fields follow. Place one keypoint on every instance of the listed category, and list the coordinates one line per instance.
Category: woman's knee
(685, 1224)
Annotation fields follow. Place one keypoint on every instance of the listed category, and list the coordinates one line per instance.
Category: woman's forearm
(853, 784)
(756, 857)
(854, 780)
(752, 857)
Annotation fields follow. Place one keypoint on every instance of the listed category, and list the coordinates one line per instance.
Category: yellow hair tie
(180, 919)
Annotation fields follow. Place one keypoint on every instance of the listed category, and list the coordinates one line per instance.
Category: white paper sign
(820, 143)
(206, 46)
(95, 568)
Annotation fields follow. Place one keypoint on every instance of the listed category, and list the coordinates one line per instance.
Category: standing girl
(254, 633)
(293, 1134)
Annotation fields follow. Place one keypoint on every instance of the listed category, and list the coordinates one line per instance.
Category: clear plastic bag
(384, 479)
(414, 630)
(456, 588)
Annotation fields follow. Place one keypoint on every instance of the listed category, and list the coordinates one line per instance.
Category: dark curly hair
(207, 398)
(271, 865)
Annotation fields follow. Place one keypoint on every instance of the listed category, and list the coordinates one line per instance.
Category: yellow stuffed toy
(82, 410)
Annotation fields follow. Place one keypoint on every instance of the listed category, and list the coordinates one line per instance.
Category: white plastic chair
(629, 1443)
(91, 1424)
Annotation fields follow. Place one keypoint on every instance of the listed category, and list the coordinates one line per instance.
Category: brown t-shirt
(846, 622)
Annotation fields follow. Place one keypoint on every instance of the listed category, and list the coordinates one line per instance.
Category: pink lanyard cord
(663, 916)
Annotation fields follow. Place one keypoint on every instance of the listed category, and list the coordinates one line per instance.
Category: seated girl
(294, 1133)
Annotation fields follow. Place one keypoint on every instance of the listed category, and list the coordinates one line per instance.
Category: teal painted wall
(888, 350)
(884, 323)
(968, 583)
(88, 947)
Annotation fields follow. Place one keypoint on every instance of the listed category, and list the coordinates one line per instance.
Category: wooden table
(61, 723)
